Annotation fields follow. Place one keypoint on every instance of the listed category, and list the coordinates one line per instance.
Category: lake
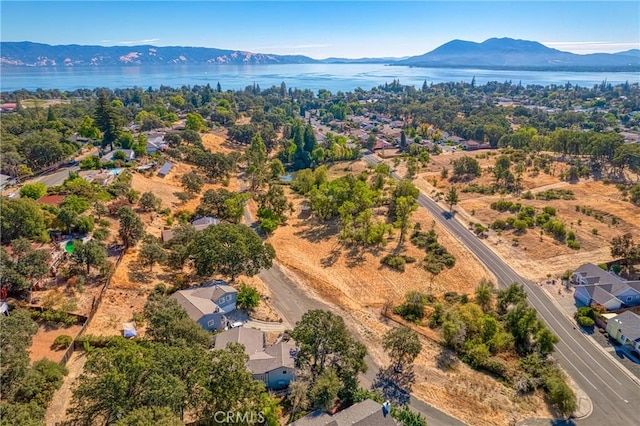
(334, 77)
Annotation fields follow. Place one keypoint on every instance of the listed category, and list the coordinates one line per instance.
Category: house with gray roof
(274, 365)
(365, 413)
(595, 285)
(198, 224)
(625, 328)
(207, 305)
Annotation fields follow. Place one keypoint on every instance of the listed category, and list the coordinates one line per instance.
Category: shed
(165, 169)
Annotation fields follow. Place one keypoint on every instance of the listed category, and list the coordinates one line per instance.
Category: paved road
(291, 301)
(56, 178)
(615, 395)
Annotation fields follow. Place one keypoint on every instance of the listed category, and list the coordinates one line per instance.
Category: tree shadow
(394, 385)
(315, 233)
(138, 273)
(332, 257)
(447, 360)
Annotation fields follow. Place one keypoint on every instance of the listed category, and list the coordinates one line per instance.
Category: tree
(403, 346)
(88, 128)
(151, 253)
(623, 246)
(230, 250)
(148, 201)
(256, 155)
(230, 386)
(324, 390)
(131, 229)
(466, 168)
(324, 343)
(248, 297)
(277, 168)
(484, 295)
(16, 332)
(192, 183)
(33, 190)
(21, 217)
(169, 324)
(561, 395)
(89, 254)
(452, 197)
(405, 206)
(512, 295)
(195, 122)
(107, 120)
(150, 416)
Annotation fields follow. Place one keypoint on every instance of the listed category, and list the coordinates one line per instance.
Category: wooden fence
(94, 308)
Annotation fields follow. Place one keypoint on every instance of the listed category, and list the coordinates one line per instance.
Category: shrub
(394, 262)
(573, 244)
(528, 195)
(571, 236)
(551, 211)
(62, 342)
(499, 224)
(52, 316)
(413, 307)
(594, 231)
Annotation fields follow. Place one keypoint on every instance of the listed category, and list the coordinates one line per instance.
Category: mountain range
(494, 53)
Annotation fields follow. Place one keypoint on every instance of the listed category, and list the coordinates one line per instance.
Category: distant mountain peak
(505, 52)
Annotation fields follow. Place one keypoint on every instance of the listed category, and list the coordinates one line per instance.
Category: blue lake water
(334, 77)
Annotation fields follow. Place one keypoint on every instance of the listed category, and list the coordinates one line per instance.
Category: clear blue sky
(323, 29)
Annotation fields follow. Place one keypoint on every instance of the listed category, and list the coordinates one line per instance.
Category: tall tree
(151, 253)
(403, 346)
(452, 197)
(131, 229)
(107, 120)
(89, 254)
(256, 155)
(405, 206)
(230, 250)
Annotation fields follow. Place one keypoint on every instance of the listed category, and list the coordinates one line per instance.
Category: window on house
(284, 371)
(211, 323)
(629, 298)
(229, 298)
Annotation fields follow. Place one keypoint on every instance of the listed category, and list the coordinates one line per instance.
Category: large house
(595, 285)
(625, 328)
(208, 304)
(365, 413)
(274, 365)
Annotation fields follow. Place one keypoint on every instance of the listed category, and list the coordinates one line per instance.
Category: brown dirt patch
(57, 408)
(43, 339)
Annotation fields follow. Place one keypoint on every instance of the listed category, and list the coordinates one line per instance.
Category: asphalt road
(56, 178)
(615, 395)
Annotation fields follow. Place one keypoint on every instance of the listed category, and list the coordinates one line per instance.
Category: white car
(235, 325)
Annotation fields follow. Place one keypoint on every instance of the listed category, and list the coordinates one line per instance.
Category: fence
(94, 308)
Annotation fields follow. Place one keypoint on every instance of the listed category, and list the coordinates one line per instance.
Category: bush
(52, 316)
(91, 341)
(33, 190)
(594, 231)
(499, 224)
(573, 244)
(248, 297)
(62, 342)
(586, 322)
(394, 262)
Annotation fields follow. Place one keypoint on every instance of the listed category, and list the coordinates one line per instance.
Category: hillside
(40, 55)
(511, 53)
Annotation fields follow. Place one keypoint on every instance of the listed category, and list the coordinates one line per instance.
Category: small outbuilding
(165, 169)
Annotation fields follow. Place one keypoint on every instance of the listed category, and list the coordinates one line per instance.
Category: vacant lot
(596, 214)
(356, 282)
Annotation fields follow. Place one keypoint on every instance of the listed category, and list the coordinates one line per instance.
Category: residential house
(208, 304)
(155, 143)
(382, 144)
(365, 413)
(198, 224)
(595, 285)
(8, 107)
(274, 365)
(625, 328)
(129, 154)
(472, 145)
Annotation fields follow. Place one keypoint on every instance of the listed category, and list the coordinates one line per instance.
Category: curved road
(615, 395)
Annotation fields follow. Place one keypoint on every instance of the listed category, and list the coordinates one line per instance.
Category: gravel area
(619, 354)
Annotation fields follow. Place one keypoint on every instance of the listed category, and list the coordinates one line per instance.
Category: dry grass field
(535, 256)
(359, 286)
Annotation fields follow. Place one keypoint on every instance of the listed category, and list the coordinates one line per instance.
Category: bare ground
(43, 339)
(60, 402)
